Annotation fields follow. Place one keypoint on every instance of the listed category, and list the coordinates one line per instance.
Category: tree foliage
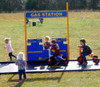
(21, 5)
(11, 5)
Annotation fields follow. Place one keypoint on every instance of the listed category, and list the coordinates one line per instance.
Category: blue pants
(20, 74)
(10, 55)
(84, 56)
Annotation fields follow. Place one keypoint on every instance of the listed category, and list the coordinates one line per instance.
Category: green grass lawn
(82, 25)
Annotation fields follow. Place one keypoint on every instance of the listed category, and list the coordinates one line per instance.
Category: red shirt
(55, 47)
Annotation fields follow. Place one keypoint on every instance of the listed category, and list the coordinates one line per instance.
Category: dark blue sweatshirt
(86, 49)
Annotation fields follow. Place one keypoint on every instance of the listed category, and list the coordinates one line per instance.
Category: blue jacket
(86, 49)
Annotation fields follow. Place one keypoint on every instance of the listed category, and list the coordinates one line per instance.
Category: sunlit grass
(82, 25)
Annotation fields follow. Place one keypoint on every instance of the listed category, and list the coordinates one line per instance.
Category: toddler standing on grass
(9, 48)
(21, 66)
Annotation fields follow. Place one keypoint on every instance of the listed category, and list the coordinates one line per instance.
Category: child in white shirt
(9, 48)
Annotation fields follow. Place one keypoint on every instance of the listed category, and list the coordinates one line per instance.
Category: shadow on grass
(19, 84)
(61, 75)
(35, 79)
(31, 80)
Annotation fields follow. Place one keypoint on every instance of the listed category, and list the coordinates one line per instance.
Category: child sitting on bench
(86, 50)
(47, 43)
(56, 49)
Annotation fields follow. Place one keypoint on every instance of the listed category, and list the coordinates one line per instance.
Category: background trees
(21, 5)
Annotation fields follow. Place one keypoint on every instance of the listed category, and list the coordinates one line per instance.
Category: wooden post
(67, 8)
(25, 36)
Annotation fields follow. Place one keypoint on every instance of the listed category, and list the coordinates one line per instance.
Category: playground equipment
(80, 59)
(36, 57)
(35, 51)
(34, 23)
(38, 67)
(50, 61)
